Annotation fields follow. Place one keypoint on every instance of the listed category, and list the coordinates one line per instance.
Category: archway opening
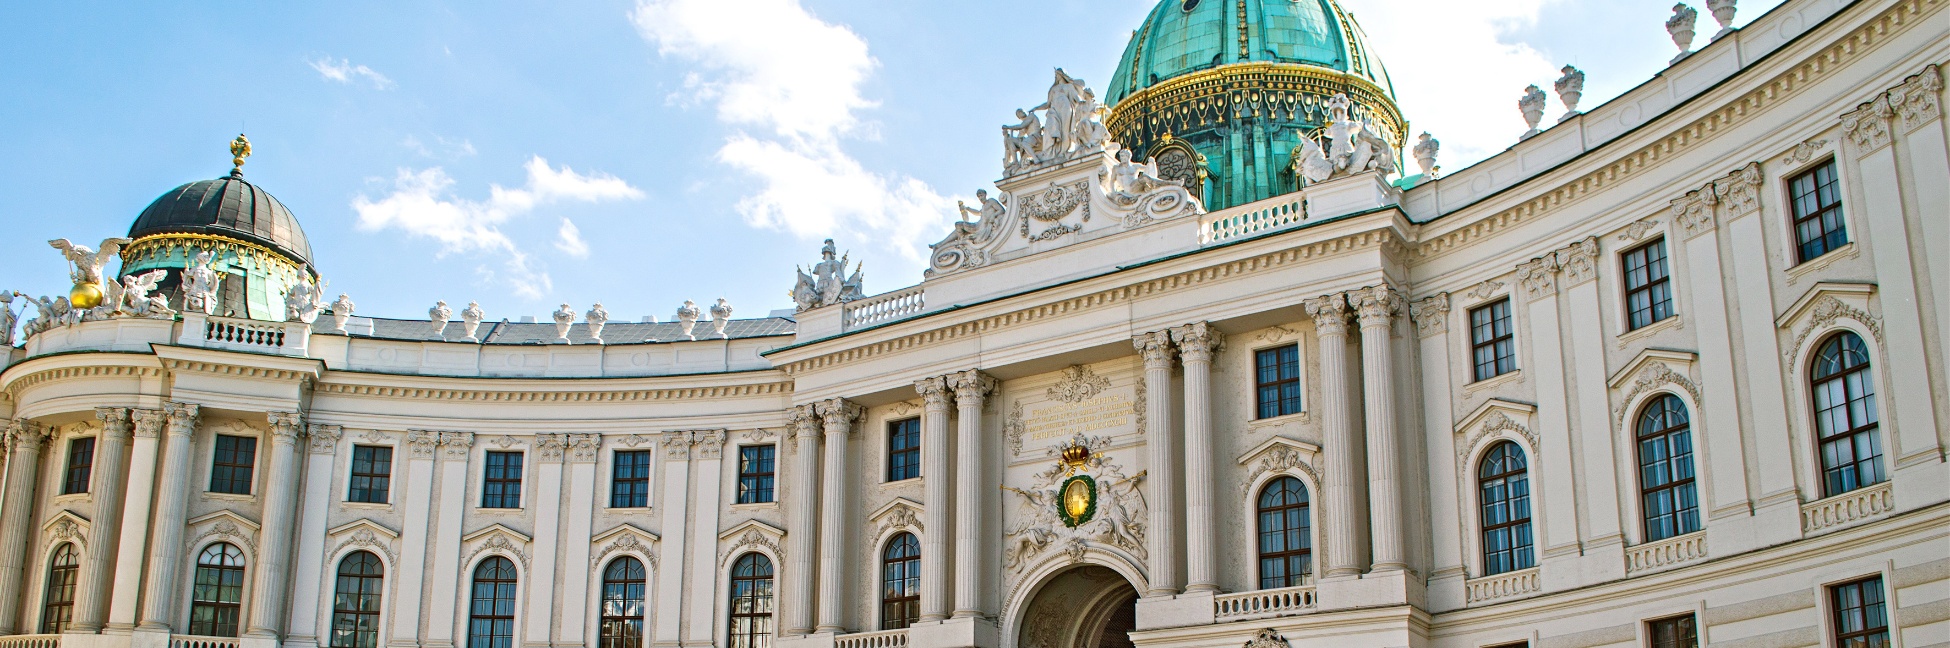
(1085, 607)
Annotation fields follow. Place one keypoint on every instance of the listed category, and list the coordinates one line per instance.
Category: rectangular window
(1673, 632)
(904, 449)
(231, 472)
(81, 464)
(755, 472)
(1817, 201)
(1491, 342)
(1277, 379)
(1648, 285)
(629, 482)
(1861, 618)
(501, 487)
(372, 474)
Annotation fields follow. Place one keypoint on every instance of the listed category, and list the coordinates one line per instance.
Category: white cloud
(772, 65)
(343, 71)
(442, 147)
(422, 204)
(568, 239)
(1472, 108)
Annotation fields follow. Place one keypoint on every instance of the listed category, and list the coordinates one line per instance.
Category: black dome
(228, 207)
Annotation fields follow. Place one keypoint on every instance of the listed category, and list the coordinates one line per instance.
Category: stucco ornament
(1078, 384)
(1267, 638)
(828, 283)
(1723, 11)
(1084, 499)
(138, 302)
(596, 318)
(720, 316)
(564, 318)
(1532, 107)
(200, 286)
(1426, 148)
(341, 311)
(1140, 189)
(438, 317)
(1681, 27)
(1354, 146)
(687, 316)
(1069, 126)
(470, 321)
(1570, 88)
(304, 301)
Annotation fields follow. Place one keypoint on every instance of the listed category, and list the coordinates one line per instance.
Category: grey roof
(507, 332)
(226, 206)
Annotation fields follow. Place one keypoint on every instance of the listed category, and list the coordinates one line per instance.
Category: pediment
(225, 515)
(1279, 442)
(1851, 294)
(1682, 361)
(890, 507)
(622, 530)
(751, 525)
(354, 526)
(64, 514)
(1491, 408)
(497, 528)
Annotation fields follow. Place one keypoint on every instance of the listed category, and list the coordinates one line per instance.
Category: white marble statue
(1570, 88)
(828, 283)
(1090, 133)
(987, 216)
(86, 267)
(304, 301)
(688, 314)
(1071, 124)
(200, 286)
(720, 316)
(1723, 11)
(1532, 106)
(7, 318)
(470, 321)
(596, 317)
(1426, 147)
(1130, 180)
(1681, 26)
(564, 318)
(1354, 146)
(341, 311)
(137, 300)
(49, 313)
(1020, 141)
(438, 317)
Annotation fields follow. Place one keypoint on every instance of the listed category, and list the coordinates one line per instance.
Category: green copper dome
(1221, 91)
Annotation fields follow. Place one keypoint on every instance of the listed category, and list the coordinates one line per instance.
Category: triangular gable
(889, 507)
(624, 529)
(497, 528)
(756, 525)
(1278, 442)
(362, 523)
(1513, 409)
(232, 516)
(1645, 358)
(1851, 293)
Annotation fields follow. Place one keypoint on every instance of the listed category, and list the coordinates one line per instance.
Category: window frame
(75, 480)
(1796, 219)
(1869, 432)
(63, 571)
(501, 498)
(1652, 287)
(1306, 554)
(904, 462)
(765, 594)
(902, 572)
(1835, 609)
(638, 458)
(621, 586)
(1279, 384)
(376, 481)
(371, 589)
(1503, 348)
(513, 589)
(758, 486)
(1652, 628)
(1528, 521)
(227, 470)
(1675, 485)
(221, 575)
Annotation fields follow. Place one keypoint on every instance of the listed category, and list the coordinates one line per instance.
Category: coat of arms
(1083, 499)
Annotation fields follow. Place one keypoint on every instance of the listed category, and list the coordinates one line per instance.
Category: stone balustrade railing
(1505, 585)
(1847, 507)
(193, 641)
(1253, 218)
(884, 307)
(1665, 553)
(238, 334)
(31, 641)
(1263, 604)
(880, 639)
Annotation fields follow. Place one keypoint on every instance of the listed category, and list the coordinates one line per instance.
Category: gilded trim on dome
(1215, 95)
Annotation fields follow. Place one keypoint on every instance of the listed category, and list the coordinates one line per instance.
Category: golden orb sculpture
(85, 296)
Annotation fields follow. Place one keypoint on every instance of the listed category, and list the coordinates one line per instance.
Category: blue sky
(641, 153)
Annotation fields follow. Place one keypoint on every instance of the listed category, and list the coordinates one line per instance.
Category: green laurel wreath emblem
(1063, 503)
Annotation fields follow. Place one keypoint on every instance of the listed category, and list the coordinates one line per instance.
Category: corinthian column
(936, 485)
(971, 388)
(274, 537)
(1343, 499)
(1161, 444)
(23, 441)
(136, 503)
(1196, 343)
(838, 415)
(1377, 306)
(166, 544)
(91, 601)
(805, 515)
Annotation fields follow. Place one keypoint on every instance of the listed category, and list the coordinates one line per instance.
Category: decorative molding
(1329, 313)
(18, 385)
(532, 396)
(761, 435)
(1282, 459)
(1267, 638)
(375, 436)
(626, 539)
(66, 526)
(228, 526)
(149, 423)
(1823, 313)
(1536, 276)
(421, 443)
(1739, 191)
(1694, 211)
(901, 514)
(365, 534)
(750, 533)
(1867, 127)
(1657, 375)
(1917, 100)
(500, 540)
(1858, 504)
(707, 444)
(1078, 384)
(1431, 314)
(1497, 421)
(1654, 556)
(458, 444)
(325, 438)
(584, 448)
(1502, 586)
(632, 440)
(1804, 152)
(677, 445)
(1486, 290)
(1637, 229)
(1274, 334)
(1014, 428)
(504, 441)
(1579, 260)
(903, 408)
(548, 447)
(1376, 306)
(1196, 342)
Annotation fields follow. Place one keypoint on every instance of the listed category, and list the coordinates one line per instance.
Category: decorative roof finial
(240, 148)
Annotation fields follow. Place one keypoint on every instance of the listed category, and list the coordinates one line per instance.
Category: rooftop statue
(1570, 88)
(1071, 125)
(341, 311)
(7, 318)
(596, 317)
(1532, 107)
(1681, 27)
(1426, 148)
(720, 316)
(86, 263)
(1355, 146)
(564, 318)
(136, 300)
(304, 301)
(470, 321)
(200, 286)
(438, 316)
(687, 316)
(828, 284)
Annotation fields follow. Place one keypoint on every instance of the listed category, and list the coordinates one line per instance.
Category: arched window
(1666, 490)
(622, 610)
(1845, 415)
(1286, 546)
(491, 615)
(355, 606)
(1505, 489)
(751, 602)
(57, 610)
(900, 577)
(218, 595)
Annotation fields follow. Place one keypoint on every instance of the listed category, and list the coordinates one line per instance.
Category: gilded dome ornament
(240, 148)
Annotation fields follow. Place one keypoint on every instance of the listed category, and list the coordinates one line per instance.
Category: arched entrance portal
(1085, 607)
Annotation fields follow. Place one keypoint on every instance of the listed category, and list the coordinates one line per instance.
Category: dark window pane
(1276, 379)
(81, 463)
(57, 603)
(1816, 199)
(622, 607)
(1285, 541)
(751, 602)
(231, 470)
(1492, 344)
(1845, 415)
(629, 482)
(355, 603)
(372, 474)
(501, 481)
(217, 592)
(1504, 490)
(755, 473)
(900, 587)
(1666, 487)
(904, 449)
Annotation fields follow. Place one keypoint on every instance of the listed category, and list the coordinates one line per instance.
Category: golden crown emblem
(1076, 456)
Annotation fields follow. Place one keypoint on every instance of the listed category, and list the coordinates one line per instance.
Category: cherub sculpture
(136, 297)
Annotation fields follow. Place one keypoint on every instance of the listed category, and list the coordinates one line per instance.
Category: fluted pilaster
(972, 388)
(1343, 498)
(1196, 344)
(1162, 444)
(1377, 307)
(837, 415)
(91, 596)
(172, 498)
(807, 437)
(937, 488)
(274, 537)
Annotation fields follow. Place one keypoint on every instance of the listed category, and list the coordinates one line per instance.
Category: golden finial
(240, 148)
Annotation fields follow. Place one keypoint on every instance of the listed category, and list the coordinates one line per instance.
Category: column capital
(286, 427)
(1376, 305)
(708, 444)
(805, 423)
(1739, 191)
(115, 422)
(1537, 276)
(1431, 314)
(1329, 313)
(23, 434)
(1579, 260)
(548, 447)
(182, 417)
(457, 444)
(677, 445)
(1694, 211)
(1916, 99)
(933, 391)
(971, 387)
(1197, 341)
(149, 423)
(421, 443)
(583, 448)
(1867, 127)
(1154, 347)
(838, 414)
(324, 438)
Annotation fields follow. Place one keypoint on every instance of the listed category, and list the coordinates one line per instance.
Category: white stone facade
(1133, 335)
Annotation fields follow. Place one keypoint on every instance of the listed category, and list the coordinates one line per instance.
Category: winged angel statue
(1119, 507)
(87, 266)
(1355, 146)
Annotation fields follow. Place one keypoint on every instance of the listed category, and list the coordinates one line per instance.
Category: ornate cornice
(68, 373)
(514, 396)
(235, 370)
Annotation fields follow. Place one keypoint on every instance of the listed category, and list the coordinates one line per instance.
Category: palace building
(1223, 359)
